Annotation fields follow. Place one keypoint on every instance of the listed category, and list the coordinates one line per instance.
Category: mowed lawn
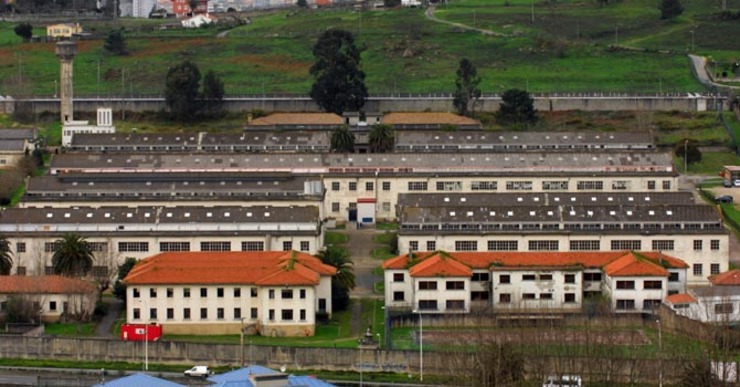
(564, 50)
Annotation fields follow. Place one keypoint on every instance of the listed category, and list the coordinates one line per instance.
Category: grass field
(565, 49)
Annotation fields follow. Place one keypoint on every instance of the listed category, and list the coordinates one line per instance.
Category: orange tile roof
(632, 265)
(664, 260)
(646, 264)
(680, 298)
(728, 278)
(249, 267)
(47, 284)
(429, 118)
(440, 265)
(298, 119)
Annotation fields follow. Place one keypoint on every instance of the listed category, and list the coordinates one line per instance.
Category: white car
(198, 371)
(736, 183)
(563, 381)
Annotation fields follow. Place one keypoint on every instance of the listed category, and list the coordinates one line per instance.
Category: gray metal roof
(468, 163)
(135, 139)
(454, 200)
(17, 133)
(523, 140)
(13, 145)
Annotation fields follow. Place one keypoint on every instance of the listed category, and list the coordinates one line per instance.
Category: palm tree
(381, 139)
(342, 140)
(344, 280)
(72, 256)
(6, 261)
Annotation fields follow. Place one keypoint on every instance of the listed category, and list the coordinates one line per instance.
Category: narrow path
(361, 246)
(700, 70)
(105, 327)
(429, 13)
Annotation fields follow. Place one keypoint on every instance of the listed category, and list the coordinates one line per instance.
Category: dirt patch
(165, 46)
(280, 63)
(570, 337)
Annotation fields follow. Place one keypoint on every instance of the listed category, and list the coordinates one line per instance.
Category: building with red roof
(718, 303)
(530, 282)
(51, 295)
(275, 293)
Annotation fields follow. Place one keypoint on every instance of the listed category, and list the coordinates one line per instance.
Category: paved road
(105, 327)
(700, 69)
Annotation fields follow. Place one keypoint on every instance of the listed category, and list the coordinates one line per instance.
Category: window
(302, 315)
(666, 185)
(98, 246)
(271, 294)
(504, 279)
(545, 296)
(353, 206)
(220, 292)
(286, 294)
(714, 269)
(174, 246)
(673, 277)
(186, 293)
(417, 186)
(663, 245)
(186, 313)
(585, 245)
(481, 277)
(220, 313)
(625, 304)
(414, 245)
(353, 186)
(52, 305)
(152, 313)
(253, 292)
(698, 245)
(253, 246)
(591, 277)
(503, 245)
(504, 298)
(449, 186)
(287, 246)
(99, 271)
(136, 293)
(237, 313)
(653, 285)
(215, 246)
(399, 296)
(651, 184)
(626, 245)
(50, 247)
(518, 185)
(479, 296)
(133, 246)
(253, 313)
(398, 277)
(305, 246)
(698, 269)
(170, 313)
(455, 285)
(427, 285)
(335, 186)
(203, 313)
(620, 185)
(466, 246)
(369, 186)
(203, 292)
(529, 296)
(555, 185)
(334, 207)
(714, 244)
(543, 245)
(528, 277)
(271, 314)
(570, 297)
(20, 270)
(137, 313)
(322, 304)
(20, 247)
(483, 186)
(431, 245)
(724, 308)
(455, 305)
(545, 277)
(650, 304)
(590, 185)
(237, 292)
(152, 292)
(386, 206)
(428, 304)
(386, 186)
(302, 294)
(570, 278)
(625, 285)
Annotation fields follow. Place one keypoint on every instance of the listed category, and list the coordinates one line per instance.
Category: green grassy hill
(564, 50)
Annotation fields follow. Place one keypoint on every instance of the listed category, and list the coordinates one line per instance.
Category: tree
(344, 280)
(342, 140)
(119, 288)
(689, 149)
(339, 84)
(115, 43)
(213, 94)
(193, 5)
(517, 108)
(72, 256)
(381, 139)
(20, 309)
(391, 3)
(6, 260)
(181, 90)
(670, 9)
(467, 92)
(302, 3)
(24, 30)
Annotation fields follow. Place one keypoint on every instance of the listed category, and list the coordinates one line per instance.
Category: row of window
(285, 294)
(449, 285)
(449, 305)
(335, 206)
(505, 298)
(520, 185)
(285, 314)
(352, 186)
(630, 285)
(50, 247)
(557, 226)
(575, 245)
(484, 277)
(630, 304)
(698, 269)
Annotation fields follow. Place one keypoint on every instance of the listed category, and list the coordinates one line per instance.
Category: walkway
(429, 13)
(700, 70)
(105, 326)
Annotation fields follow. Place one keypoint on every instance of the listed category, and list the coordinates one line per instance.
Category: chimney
(269, 380)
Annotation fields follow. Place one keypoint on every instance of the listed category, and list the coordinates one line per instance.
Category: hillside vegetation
(565, 49)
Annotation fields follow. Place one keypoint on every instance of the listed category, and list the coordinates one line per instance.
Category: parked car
(727, 183)
(563, 381)
(737, 183)
(723, 199)
(198, 371)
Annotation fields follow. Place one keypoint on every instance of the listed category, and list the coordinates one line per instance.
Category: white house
(529, 282)
(104, 125)
(51, 295)
(718, 303)
(275, 293)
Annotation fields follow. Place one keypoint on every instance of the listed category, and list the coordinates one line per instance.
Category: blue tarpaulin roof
(240, 378)
(139, 380)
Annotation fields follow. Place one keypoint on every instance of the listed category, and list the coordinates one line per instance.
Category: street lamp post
(660, 353)
(146, 337)
(241, 343)
(421, 346)
(686, 156)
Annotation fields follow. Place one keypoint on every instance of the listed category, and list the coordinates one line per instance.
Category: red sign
(141, 332)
